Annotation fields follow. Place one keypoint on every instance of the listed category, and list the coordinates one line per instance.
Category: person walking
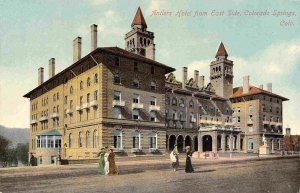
(188, 164)
(112, 164)
(174, 157)
(106, 165)
(101, 154)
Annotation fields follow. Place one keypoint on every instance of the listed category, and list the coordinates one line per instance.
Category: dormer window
(153, 85)
(117, 79)
(136, 83)
(117, 61)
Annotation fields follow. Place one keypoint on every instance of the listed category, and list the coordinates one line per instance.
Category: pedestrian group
(107, 164)
(174, 157)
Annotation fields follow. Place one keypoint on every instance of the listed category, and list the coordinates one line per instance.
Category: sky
(32, 32)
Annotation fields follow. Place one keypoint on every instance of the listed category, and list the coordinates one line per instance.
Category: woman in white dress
(106, 167)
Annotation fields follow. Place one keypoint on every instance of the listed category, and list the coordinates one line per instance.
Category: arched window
(96, 78)
(181, 102)
(167, 100)
(118, 139)
(70, 140)
(250, 144)
(80, 139)
(148, 42)
(191, 104)
(174, 101)
(88, 82)
(153, 85)
(136, 83)
(87, 139)
(153, 140)
(81, 85)
(95, 139)
(117, 79)
(71, 90)
(136, 140)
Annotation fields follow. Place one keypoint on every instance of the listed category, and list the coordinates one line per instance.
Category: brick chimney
(150, 51)
(76, 49)
(196, 77)
(246, 84)
(51, 67)
(269, 87)
(40, 76)
(93, 37)
(201, 82)
(184, 76)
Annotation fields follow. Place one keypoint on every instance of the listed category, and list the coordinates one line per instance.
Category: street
(280, 175)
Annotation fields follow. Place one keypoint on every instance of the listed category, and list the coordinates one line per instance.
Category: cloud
(276, 64)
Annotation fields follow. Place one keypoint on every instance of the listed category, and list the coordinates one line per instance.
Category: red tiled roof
(238, 92)
(221, 50)
(139, 19)
(112, 50)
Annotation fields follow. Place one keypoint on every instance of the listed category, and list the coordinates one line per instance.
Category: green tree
(12, 159)
(4, 143)
(22, 153)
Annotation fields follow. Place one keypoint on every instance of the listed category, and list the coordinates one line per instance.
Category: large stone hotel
(126, 99)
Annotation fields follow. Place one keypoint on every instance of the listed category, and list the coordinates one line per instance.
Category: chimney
(93, 37)
(51, 67)
(184, 76)
(196, 77)
(269, 87)
(76, 49)
(261, 86)
(150, 51)
(246, 84)
(201, 82)
(40, 76)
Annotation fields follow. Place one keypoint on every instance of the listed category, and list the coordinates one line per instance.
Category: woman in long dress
(101, 170)
(188, 164)
(175, 158)
(112, 164)
(106, 167)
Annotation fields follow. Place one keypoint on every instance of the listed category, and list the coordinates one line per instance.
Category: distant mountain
(15, 135)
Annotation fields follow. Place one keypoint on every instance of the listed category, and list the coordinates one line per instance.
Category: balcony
(209, 122)
(68, 111)
(43, 118)
(94, 103)
(86, 106)
(193, 120)
(118, 103)
(273, 123)
(278, 124)
(33, 121)
(137, 106)
(250, 122)
(265, 122)
(78, 108)
(217, 122)
(154, 108)
(54, 115)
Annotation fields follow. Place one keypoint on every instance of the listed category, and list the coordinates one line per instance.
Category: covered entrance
(207, 143)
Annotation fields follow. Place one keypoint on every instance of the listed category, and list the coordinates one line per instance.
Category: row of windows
(136, 114)
(136, 142)
(87, 139)
(135, 82)
(88, 83)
